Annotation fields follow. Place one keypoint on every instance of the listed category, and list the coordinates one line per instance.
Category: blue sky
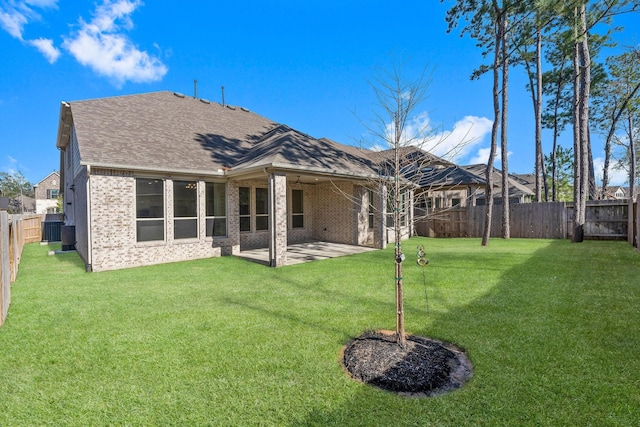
(306, 64)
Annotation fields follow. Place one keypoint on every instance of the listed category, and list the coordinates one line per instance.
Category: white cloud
(102, 46)
(13, 18)
(454, 144)
(45, 46)
(12, 166)
(42, 3)
(458, 142)
(616, 176)
(16, 14)
(481, 156)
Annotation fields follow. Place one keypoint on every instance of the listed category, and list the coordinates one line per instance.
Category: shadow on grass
(541, 354)
(552, 341)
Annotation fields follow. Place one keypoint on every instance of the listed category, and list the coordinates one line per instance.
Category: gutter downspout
(89, 246)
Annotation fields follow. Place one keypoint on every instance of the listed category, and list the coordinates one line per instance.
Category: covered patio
(305, 252)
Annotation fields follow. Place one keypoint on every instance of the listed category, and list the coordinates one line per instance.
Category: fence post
(5, 269)
(17, 248)
(636, 214)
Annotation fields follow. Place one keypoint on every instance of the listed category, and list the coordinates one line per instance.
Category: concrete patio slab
(305, 252)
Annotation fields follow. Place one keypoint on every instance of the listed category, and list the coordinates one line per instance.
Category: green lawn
(552, 328)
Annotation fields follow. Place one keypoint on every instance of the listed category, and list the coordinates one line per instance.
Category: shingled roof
(288, 148)
(515, 187)
(165, 131)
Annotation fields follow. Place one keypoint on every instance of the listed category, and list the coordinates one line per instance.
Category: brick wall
(113, 227)
(260, 239)
(334, 213)
(75, 209)
(305, 234)
(278, 224)
(329, 208)
(51, 182)
(44, 203)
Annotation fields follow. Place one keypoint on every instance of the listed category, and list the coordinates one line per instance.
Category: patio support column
(277, 219)
(380, 223)
(472, 195)
(409, 208)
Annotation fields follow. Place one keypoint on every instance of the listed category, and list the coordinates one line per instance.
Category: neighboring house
(162, 177)
(442, 184)
(46, 192)
(614, 192)
(448, 187)
(518, 192)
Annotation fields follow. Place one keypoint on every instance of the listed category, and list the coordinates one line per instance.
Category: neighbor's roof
(165, 131)
(445, 177)
(515, 187)
(409, 154)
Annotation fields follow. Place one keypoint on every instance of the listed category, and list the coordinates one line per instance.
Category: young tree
(563, 174)
(397, 101)
(404, 140)
(618, 98)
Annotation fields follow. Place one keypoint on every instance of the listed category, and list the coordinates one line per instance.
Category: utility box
(68, 237)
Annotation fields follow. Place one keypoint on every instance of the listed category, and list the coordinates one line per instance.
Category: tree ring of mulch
(425, 367)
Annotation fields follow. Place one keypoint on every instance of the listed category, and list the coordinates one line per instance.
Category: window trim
(158, 219)
(240, 215)
(371, 213)
(297, 214)
(184, 219)
(257, 215)
(214, 217)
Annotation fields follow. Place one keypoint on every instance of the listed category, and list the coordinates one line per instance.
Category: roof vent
(246, 110)
(206, 101)
(230, 107)
(178, 94)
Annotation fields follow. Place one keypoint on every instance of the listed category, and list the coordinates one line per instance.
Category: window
(402, 209)
(245, 208)
(185, 209)
(149, 209)
(297, 209)
(262, 209)
(52, 193)
(455, 202)
(371, 209)
(216, 209)
(390, 209)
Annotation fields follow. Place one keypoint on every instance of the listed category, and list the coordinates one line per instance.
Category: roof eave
(64, 125)
(140, 169)
(270, 167)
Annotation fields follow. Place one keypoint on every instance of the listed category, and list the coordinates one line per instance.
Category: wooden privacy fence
(604, 220)
(15, 231)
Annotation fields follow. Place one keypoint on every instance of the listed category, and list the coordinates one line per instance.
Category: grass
(550, 326)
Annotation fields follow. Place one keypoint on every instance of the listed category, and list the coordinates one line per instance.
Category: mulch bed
(425, 367)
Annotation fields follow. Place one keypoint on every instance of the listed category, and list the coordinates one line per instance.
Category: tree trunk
(494, 140)
(506, 231)
(540, 172)
(579, 187)
(615, 116)
(632, 158)
(607, 155)
(400, 333)
(585, 85)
